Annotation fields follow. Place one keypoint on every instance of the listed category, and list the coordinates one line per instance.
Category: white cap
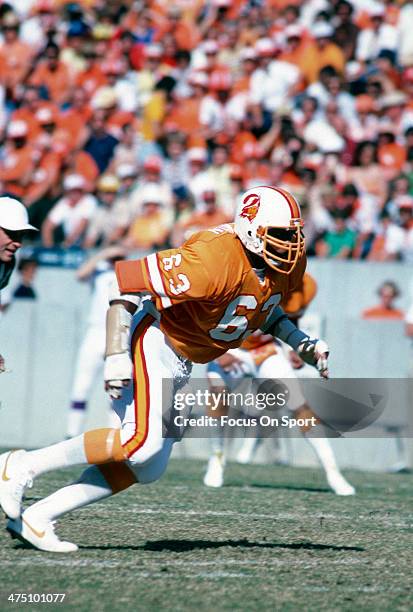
(151, 194)
(210, 46)
(13, 215)
(74, 181)
(126, 170)
(321, 29)
(197, 154)
(264, 46)
(17, 129)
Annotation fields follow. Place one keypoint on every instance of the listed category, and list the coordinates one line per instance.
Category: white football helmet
(268, 222)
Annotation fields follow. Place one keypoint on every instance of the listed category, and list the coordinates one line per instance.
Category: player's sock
(76, 419)
(217, 443)
(95, 484)
(248, 449)
(324, 452)
(98, 446)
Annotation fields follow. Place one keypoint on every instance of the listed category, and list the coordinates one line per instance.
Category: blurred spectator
(15, 55)
(338, 242)
(151, 179)
(72, 214)
(52, 75)
(209, 216)
(388, 293)
(27, 269)
(17, 160)
(103, 228)
(377, 36)
(101, 144)
(151, 227)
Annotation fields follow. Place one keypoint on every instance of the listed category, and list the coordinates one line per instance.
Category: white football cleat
(214, 476)
(339, 484)
(38, 534)
(14, 479)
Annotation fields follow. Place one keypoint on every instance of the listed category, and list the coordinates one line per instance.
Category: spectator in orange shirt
(92, 76)
(388, 293)
(29, 105)
(75, 118)
(323, 52)
(185, 112)
(209, 216)
(151, 227)
(15, 55)
(18, 160)
(52, 75)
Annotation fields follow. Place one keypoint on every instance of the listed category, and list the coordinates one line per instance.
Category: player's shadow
(181, 546)
(257, 485)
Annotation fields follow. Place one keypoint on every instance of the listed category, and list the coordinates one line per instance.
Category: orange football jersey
(209, 296)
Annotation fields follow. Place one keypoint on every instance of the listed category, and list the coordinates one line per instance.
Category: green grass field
(274, 538)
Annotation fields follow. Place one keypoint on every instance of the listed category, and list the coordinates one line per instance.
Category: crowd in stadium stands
(141, 121)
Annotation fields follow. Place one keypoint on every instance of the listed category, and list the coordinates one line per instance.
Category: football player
(14, 225)
(207, 297)
(261, 356)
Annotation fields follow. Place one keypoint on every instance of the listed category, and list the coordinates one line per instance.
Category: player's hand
(117, 374)
(228, 362)
(2, 364)
(315, 352)
(296, 362)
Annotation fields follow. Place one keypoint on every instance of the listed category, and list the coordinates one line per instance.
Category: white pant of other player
(278, 366)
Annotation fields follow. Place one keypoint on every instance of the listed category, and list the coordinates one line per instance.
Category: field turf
(274, 538)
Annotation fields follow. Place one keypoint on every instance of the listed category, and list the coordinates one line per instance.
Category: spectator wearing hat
(151, 179)
(150, 228)
(394, 111)
(378, 36)
(198, 179)
(103, 228)
(72, 213)
(18, 160)
(52, 75)
(322, 52)
(152, 71)
(100, 144)
(72, 52)
(275, 79)
(15, 55)
(388, 293)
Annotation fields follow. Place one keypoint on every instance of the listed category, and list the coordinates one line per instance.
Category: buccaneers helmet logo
(251, 207)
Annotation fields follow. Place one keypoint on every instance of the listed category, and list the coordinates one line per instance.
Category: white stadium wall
(40, 341)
